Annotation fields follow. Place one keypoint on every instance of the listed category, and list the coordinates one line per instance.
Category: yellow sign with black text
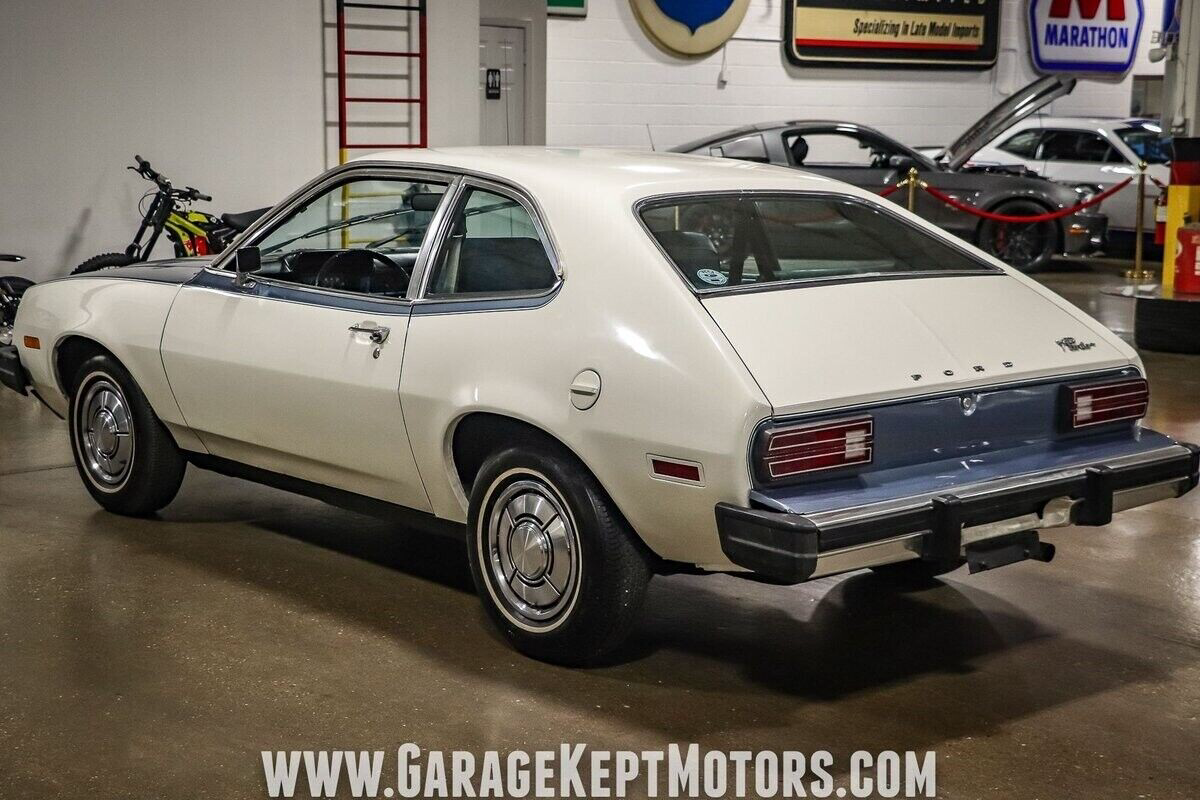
(862, 33)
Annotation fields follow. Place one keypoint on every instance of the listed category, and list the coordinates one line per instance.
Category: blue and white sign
(1090, 37)
(691, 27)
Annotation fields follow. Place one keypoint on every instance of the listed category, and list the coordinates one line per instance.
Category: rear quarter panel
(671, 384)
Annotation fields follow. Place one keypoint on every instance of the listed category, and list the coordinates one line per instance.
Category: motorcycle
(11, 290)
(193, 233)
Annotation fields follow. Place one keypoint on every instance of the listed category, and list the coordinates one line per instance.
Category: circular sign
(691, 27)
(712, 277)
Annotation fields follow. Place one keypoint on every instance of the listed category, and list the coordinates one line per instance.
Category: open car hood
(1017, 106)
(819, 347)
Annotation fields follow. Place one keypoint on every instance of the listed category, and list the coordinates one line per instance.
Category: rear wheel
(558, 570)
(1028, 246)
(128, 461)
(103, 261)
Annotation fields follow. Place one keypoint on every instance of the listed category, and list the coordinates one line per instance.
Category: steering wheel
(385, 261)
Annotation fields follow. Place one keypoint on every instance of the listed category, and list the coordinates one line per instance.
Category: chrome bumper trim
(1058, 513)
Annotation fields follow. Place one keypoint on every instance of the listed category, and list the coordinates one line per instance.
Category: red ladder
(420, 102)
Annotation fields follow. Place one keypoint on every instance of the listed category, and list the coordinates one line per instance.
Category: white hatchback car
(543, 351)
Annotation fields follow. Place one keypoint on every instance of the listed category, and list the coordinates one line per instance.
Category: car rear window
(723, 242)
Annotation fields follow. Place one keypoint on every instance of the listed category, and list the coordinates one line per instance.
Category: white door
(299, 373)
(501, 85)
(1087, 157)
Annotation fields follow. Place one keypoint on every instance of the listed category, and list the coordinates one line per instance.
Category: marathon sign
(1089, 37)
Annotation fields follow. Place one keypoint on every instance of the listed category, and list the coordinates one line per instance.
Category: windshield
(724, 242)
(1147, 143)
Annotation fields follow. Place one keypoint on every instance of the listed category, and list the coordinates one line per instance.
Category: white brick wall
(607, 81)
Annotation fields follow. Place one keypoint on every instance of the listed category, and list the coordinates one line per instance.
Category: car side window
(492, 247)
(835, 150)
(1023, 144)
(363, 236)
(1079, 146)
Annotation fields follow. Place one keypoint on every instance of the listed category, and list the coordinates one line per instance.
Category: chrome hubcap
(532, 552)
(105, 433)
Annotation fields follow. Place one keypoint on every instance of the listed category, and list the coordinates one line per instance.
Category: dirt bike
(194, 233)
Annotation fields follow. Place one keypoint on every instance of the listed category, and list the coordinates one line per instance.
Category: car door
(1079, 156)
(298, 370)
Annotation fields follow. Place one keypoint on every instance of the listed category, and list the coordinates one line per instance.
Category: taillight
(816, 446)
(1107, 402)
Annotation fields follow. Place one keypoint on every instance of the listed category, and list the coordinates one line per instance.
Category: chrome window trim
(454, 177)
(662, 199)
(529, 204)
(320, 186)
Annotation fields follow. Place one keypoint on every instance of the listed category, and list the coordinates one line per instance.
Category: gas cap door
(585, 389)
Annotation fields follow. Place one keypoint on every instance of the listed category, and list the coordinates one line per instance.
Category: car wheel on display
(917, 574)
(1028, 247)
(555, 564)
(126, 457)
(103, 261)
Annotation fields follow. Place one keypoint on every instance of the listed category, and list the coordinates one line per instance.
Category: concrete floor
(145, 658)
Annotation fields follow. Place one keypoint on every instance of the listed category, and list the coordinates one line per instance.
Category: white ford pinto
(600, 365)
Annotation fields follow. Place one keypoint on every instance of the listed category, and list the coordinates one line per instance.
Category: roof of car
(1091, 122)
(642, 172)
(759, 127)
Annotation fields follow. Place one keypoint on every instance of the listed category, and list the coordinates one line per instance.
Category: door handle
(378, 333)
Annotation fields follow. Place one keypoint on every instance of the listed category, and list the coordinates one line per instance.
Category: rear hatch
(819, 347)
(1017, 106)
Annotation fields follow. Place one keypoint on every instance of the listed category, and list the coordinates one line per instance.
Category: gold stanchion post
(1138, 274)
(912, 180)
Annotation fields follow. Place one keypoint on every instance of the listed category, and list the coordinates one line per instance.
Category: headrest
(688, 249)
(503, 264)
(799, 149)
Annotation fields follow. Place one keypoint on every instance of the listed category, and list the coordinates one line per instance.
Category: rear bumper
(12, 374)
(792, 547)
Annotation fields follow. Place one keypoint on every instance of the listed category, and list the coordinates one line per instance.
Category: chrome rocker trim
(977, 518)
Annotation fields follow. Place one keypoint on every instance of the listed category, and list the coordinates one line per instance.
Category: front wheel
(559, 571)
(103, 261)
(126, 457)
(1028, 246)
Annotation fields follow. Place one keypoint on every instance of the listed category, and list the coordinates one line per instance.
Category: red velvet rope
(1065, 212)
(891, 190)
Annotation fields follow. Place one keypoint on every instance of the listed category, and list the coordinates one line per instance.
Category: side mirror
(901, 162)
(246, 261)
